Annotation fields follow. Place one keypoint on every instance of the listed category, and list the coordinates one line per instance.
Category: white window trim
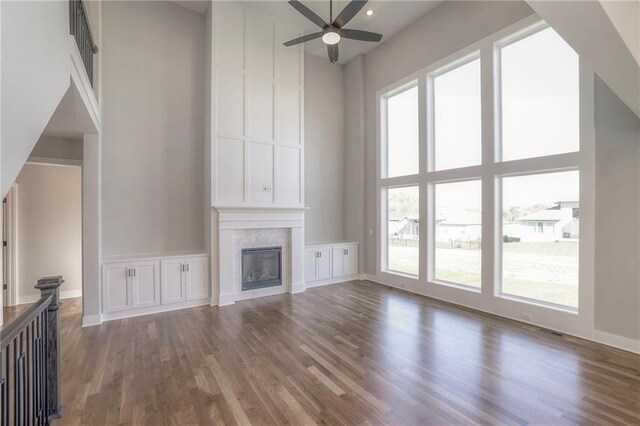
(543, 314)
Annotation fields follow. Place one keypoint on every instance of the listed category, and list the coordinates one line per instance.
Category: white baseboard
(70, 294)
(32, 298)
(297, 288)
(329, 281)
(369, 277)
(227, 299)
(616, 341)
(91, 320)
(154, 310)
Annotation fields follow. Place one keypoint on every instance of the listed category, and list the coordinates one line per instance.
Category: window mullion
(490, 190)
(424, 95)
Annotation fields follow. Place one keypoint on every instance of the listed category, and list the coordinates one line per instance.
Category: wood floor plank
(347, 354)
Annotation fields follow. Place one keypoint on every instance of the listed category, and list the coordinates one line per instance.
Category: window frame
(490, 172)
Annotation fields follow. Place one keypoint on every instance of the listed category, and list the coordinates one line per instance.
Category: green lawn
(546, 271)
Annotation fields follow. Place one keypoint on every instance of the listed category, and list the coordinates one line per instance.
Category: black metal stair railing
(79, 28)
(29, 361)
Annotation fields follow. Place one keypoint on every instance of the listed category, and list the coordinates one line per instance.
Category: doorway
(9, 246)
(43, 231)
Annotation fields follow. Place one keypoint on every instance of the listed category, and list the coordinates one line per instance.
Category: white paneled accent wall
(257, 147)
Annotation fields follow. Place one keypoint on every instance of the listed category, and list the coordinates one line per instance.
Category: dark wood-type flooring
(356, 353)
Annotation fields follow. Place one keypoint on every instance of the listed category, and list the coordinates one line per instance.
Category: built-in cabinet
(131, 285)
(184, 279)
(153, 285)
(318, 263)
(327, 263)
(345, 260)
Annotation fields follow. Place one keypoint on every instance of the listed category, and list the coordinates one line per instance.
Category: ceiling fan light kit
(331, 34)
(331, 37)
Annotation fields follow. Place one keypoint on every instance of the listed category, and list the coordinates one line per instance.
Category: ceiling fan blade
(360, 35)
(308, 13)
(333, 53)
(349, 12)
(303, 39)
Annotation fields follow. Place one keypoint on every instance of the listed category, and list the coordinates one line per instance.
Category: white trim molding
(67, 294)
(12, 242)
(228, 223)
(81, 79)
(91, 320)
(332, 281)
(616, 341)
(152, 310)
(49, 161)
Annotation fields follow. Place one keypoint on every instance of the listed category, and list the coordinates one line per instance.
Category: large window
(481, 154)
(540, 111)
(540, 237)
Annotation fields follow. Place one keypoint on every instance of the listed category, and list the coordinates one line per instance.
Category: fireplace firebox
(261, 267)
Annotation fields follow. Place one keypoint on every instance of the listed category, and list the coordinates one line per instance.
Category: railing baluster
(79, 28)
(29, 361)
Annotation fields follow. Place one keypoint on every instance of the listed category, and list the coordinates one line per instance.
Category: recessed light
(369, 12)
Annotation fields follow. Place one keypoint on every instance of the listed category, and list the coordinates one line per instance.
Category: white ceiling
(199, 6)
(389, 17)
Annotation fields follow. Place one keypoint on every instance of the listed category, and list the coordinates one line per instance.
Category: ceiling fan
(333, 32)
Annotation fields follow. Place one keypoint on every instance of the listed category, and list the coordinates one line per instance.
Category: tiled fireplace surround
(235, 229)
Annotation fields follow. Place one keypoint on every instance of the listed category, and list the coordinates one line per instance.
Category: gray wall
(324, 150)
(617, 212)
(153, 128)
(49, 228)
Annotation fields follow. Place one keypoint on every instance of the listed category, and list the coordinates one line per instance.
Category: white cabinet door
(172, 279)
(310, 265)
(146, 284)
(351, 260)
(323, 263)
(197, 282)
(115, 291)
(338, 261)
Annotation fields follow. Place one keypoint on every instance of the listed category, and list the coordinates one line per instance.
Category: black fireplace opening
(261, 267)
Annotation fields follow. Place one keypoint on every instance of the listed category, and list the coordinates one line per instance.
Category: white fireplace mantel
(230, 225)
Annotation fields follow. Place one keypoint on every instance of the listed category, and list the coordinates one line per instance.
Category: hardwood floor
(353, 353)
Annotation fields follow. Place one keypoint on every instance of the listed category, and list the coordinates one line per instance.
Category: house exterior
(404, 227)
(454, 224)
(560, 222)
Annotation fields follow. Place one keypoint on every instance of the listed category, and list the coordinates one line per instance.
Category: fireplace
(261, 267)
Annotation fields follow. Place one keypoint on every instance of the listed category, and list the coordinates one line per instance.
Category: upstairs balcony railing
(79, 28)
(30, 361)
